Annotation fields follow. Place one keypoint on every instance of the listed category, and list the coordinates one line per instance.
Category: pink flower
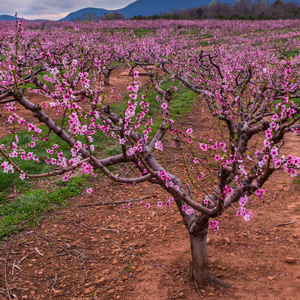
(259, 193)
(274, 151)
(89, 190)
(248, 216)
(164, 105)
(217, 157)
(189, 211)
(159, 203)
(158, 145)
(78, 145)
(189, 131)
(196, 161)
(133, 96)
(135, 74)
(129, 112)
(22, 176)
(10, 119)
(122, 141)
(65, 178)
(203, 146)
(147, 205)
(243, 201)
(213, 224)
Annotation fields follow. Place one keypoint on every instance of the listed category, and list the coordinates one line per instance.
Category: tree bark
(106, 80)
(198, 269)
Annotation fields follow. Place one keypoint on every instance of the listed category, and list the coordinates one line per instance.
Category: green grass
(8, 182)
(204, 43)
(34, 202)
(296, 101)
(289, 54)
(179, 106)
(142, 32)
(40, 77)
(297, 180)
(31, 200)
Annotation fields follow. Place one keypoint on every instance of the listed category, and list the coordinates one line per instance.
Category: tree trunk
(198, 270)
(106, 80)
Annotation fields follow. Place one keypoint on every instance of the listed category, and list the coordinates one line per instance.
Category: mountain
(141, 7)
(155, 7)
(82, 13)
(7, 18)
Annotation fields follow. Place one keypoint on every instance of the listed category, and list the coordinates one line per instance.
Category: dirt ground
(113, 252)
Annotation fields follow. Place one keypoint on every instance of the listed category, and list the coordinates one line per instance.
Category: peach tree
(251, 94)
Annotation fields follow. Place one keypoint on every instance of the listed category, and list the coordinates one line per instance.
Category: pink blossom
(10, 119)
(133, 96)
(158, 145)
(164, 105)
(213, 224)
(203, 146)
(189, 131)
(89, 190)
(135, 74)
(189, 211)
(243, 201)
(217, 157)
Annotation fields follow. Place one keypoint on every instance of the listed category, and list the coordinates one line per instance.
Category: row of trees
(240, 10)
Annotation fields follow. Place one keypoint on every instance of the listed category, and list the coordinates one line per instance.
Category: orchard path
(111, 252)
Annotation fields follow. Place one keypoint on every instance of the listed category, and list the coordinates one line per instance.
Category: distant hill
(7, 18)
(82, 13)
(142, 7)
(155, 7)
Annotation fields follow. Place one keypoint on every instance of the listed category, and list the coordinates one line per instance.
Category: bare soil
(112, 252)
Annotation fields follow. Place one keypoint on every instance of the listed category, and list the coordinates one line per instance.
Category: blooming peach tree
(250, 91)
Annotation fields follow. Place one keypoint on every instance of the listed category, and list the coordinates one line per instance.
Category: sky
(54, 9)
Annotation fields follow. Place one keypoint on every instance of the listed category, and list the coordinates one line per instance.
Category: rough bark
(199, 271)
(106, 80)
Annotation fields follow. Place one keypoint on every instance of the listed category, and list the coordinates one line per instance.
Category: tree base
(204, 278)
(198, 269)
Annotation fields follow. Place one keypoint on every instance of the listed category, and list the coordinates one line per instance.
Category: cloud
(54, 9)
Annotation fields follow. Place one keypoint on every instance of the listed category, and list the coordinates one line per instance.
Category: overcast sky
(54, 9)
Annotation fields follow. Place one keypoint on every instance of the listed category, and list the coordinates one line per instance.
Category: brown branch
(284, 224)
(7, 100)
(3, 96)
(117, 202)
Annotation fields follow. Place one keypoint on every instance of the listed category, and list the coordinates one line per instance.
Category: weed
(34, 202)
